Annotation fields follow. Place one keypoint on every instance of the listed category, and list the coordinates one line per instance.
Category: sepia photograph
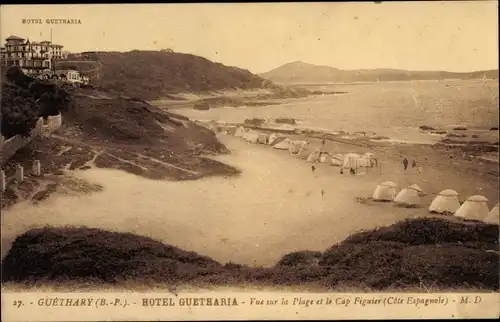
(302, 148)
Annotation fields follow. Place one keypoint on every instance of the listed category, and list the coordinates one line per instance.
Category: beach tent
(272, 138)
(409, 196)
(262, 138)
(252, 137)
(323, 158)
(445, 202)
(363, 162)
(283, 145)
(371, 158)
(351, 160)
(296, 146)
(474, 208)
(240, 132)
(337, 160)
(493, 216)
(385, 191)
(231, 130)
(313, 156)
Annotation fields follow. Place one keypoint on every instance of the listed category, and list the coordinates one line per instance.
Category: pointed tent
(337, 160)
(231, 130)
(417, 188)
(371, 158)
(313, 157)
(296, 146)
(283, 145)
(323, 158)
(350, 160)
(474, 208)
(445, 202)
(272, 138)
(386, 191)
(493, 216)
(363, 162)
(252, 137)
(240, 132)
(263, 137)
(409, 196)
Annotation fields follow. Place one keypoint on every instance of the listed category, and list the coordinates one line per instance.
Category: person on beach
(414, 164)
(341, 171)
(405, 163)
(313, 168)
(322, 193)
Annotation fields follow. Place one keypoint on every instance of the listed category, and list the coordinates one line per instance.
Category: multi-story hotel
(31, 57)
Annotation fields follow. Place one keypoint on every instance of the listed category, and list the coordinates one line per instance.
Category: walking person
(322, 193)
(405, 163)
(313, 168)
(413, 164)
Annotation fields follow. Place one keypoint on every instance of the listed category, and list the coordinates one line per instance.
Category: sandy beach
(273, 207)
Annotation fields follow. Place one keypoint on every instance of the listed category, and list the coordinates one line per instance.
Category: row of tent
(446, 202)
(347, 161)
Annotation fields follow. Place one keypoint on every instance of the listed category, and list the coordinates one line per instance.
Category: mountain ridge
(298, 72)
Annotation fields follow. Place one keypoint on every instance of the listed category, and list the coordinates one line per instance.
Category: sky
(457, 36)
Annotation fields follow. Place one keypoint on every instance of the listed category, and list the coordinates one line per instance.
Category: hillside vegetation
(415, 253)
(152, 75)
(302, 73)
(25, 99)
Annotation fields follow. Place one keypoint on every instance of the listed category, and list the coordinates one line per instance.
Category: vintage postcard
(240, 161)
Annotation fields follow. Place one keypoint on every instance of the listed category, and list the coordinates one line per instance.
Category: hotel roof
(14, 38)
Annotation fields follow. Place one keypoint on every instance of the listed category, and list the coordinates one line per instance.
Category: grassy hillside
(152, 75)
(25, 99)
(415, 253)
(303, 73)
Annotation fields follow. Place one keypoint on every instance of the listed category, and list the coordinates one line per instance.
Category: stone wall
(52, 123)
(9, 147)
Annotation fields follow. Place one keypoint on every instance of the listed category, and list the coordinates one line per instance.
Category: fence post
(3, 182)
(36, 170)
(19, 173)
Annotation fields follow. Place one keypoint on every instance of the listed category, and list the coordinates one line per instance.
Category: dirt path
(102, 149)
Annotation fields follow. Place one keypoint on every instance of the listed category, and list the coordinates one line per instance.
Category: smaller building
(70, 76)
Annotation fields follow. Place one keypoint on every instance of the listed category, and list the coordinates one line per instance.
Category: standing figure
(313, 168)
(413, 164)
(405, 163)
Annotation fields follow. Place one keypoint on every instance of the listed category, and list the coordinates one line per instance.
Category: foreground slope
(415, 253)
(303, 73)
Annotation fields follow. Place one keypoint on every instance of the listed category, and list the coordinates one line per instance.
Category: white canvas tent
(262, 139)
(445, 202)
(474, 208)
(252, 137)
(323, 158)
(297, 146)
(493, 216)
(371, 158)
(409, 196)
(363, 162)
(272, 138)
(337, 160)
(351, 161)
(313, 156)
(240, 132)
(386, 191)
(283, 145)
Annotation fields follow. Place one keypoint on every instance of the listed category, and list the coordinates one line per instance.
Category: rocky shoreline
(471, 144)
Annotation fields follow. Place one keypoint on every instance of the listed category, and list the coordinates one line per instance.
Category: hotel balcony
(29, 64)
